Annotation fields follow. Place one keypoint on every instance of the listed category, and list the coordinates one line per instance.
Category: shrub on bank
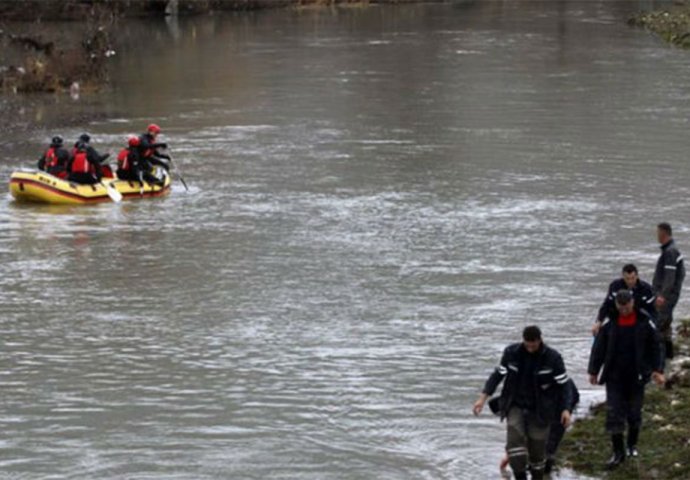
(672, 25)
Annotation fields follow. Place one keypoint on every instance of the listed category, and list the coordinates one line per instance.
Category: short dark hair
(666, 227)
(623, 297)
(531, 333)
(629, 268)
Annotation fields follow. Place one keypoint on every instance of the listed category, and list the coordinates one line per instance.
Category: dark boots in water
(618, 456)
(520, 475)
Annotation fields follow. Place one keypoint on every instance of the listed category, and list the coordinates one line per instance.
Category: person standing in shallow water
(627, 352)
(533, 393)
(668, 280)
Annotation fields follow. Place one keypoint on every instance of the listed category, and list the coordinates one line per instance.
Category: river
(380, 200)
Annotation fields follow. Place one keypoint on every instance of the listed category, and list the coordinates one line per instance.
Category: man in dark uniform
(533, 394)
(641, 291)
(668, 280)
(627, 353)
(556, 430)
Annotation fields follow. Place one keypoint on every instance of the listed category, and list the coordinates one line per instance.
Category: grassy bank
(672, 24)
(665, 439)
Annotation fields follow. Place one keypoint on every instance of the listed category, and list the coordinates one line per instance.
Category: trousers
(526, 443)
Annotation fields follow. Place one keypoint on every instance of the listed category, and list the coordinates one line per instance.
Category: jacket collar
(667, 244)
(536, 354)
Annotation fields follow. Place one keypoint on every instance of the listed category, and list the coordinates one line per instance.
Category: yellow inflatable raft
(37, 186)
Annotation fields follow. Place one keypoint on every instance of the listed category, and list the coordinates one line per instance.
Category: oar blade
(112, 192)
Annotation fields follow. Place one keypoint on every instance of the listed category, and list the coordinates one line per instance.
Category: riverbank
(665, 437)
(75, 56)
(672, 24)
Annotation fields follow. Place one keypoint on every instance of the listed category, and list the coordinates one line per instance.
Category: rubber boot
(520, 475)
(633, 435)
(618, 456)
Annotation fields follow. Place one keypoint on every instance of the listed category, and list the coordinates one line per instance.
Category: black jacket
(669, 273)
(548, 381)
(148, 147)
(642, 293)
(569, 389)
(647, 349)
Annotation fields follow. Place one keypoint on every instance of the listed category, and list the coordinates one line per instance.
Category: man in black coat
(556, 431)
(533, 394)
(625, 355)
(668, 280)
(641, 291)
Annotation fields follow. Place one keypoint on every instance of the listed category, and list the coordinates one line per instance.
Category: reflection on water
(381, 198)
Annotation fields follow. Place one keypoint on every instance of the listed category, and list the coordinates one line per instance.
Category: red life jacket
(123, 159)
(51, 158)
(106, 171)
(80, 164)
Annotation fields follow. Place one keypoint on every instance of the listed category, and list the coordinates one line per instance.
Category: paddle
(112, 192)
(177, 171)
(141, 180)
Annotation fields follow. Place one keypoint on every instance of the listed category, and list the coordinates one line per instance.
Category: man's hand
(565, 418)
(659, 378)
(593, 380)
(479, 404)
(595, 328)
(660, 301)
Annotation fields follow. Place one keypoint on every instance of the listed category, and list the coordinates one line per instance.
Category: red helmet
(133, 141)
(153, 128)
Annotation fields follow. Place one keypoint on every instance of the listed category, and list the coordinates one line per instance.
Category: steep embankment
(671, 24)
(35, 59)
(665, 439)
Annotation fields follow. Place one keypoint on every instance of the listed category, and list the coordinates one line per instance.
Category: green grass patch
(664, 443)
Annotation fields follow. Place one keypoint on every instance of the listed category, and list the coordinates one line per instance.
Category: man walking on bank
(668, 280)
(642, 293)
(627, 353)
(533, 393)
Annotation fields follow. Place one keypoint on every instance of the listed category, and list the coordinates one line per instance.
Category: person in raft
(148, 148)
(55, 159)
(92, 153)
(128, 160)
(627, 352)
(82, 168)
(533, 394)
